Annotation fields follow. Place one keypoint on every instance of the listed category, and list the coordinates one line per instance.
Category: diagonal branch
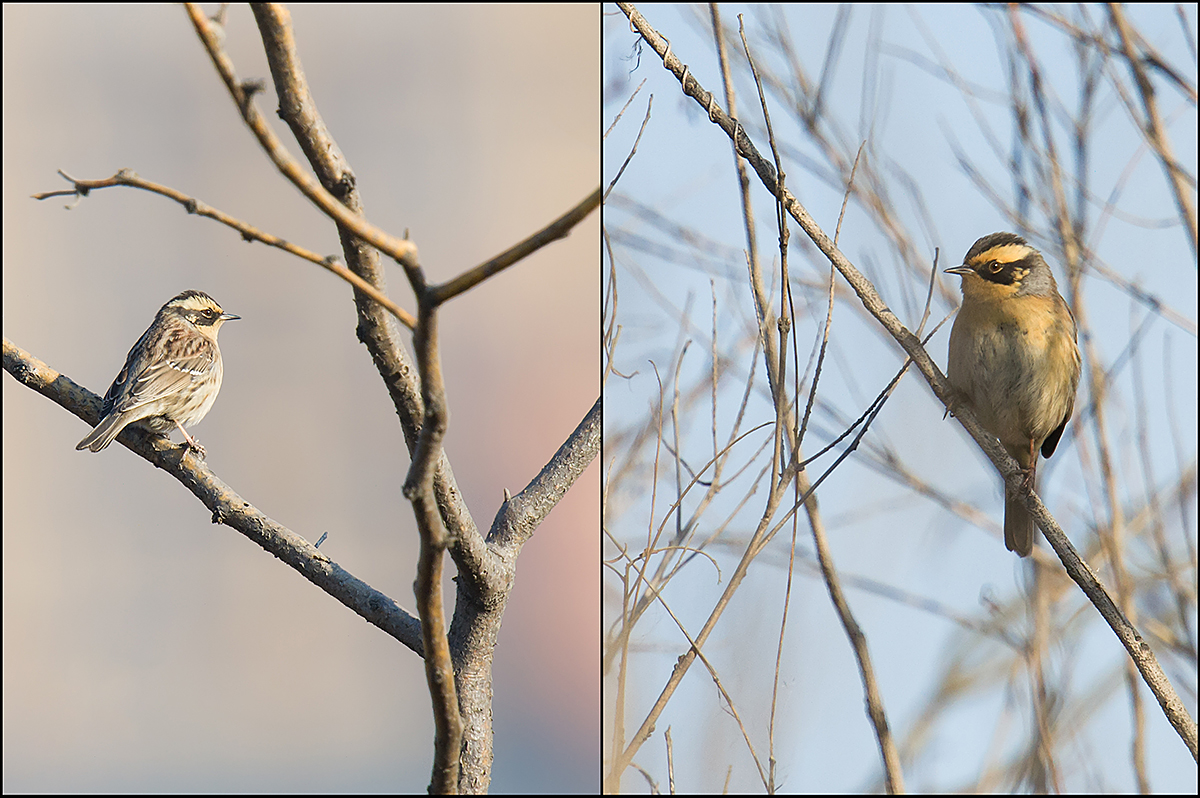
(127, 177)
(479, 603)
(227, 507)
(559, 228)
(243, 97)
(514, 525)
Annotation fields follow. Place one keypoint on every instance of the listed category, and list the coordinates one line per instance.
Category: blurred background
(995, 676)
(146, 650)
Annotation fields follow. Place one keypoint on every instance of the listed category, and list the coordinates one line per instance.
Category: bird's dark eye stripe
(999, 272)
(1023, 263)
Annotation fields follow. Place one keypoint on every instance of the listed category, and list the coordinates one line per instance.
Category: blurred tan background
(146, 649)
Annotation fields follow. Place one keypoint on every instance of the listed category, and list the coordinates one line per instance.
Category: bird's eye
(994, 266)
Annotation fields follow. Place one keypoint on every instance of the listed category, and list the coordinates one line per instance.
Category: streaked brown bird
(171, 376)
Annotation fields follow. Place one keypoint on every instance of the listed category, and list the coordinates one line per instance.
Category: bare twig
(127, 177)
